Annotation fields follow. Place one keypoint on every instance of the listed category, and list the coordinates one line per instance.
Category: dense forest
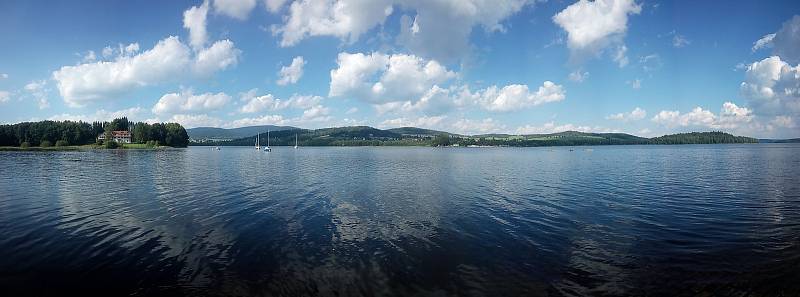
(64, 133)
(701, 137)
(369, 136)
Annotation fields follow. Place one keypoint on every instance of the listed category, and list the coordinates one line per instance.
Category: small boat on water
(258, 137)
(295, 140)
(267, 149)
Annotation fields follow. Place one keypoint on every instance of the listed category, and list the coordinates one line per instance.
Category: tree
(441, 140)
(111, 144)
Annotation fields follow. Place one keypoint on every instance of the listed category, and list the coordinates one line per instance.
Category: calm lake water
(605, 220)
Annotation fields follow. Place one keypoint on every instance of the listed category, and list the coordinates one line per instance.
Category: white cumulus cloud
(345, 19)
(551, 127)
(634, 115)
(772, 86)
(292, 73)
(472, 127)
(731, 117)
(255, 103)
(168, 60)
(438, 29)
(763, 42)
(194, 20)
(786, 43)
(429, 122)
(380, 78)
(592, 26)
(238, 9)
(274, 5)
(219, 56)
(186, 101)
(513, 97)
(257, 121)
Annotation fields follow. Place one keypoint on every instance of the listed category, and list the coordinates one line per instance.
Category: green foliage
(98, 142)
(441, 140)
(45, 143)
(25, 145)
(62, 143)
(152, 143)
(36, 132)
(110, 144)
(81, 133)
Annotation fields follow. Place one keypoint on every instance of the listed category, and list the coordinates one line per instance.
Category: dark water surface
(616, 220)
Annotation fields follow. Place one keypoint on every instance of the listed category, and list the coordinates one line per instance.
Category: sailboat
(257, 140)
(266, 148)
(295, 140)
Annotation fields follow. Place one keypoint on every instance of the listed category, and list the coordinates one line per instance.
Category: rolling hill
(410, 136)
(200, 133)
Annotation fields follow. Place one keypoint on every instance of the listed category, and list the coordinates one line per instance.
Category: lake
(403, 221)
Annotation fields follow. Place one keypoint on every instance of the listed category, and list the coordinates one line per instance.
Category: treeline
(62, 133)
(701, 138)
(368, 136)
(49, 132)
(169, 134)
(552, 141)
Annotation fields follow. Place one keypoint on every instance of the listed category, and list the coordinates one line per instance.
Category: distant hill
(418, 131)
(558, 139)
(234, 133)
(410, 136)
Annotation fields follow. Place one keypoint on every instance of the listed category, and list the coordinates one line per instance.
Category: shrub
(98, 142)
(45, 143)
(111, 144)
(25, 145)
(62, 143)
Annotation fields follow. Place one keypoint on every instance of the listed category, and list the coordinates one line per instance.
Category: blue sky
(510, 66)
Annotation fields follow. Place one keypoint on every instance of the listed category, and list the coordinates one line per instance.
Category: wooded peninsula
(118, 133)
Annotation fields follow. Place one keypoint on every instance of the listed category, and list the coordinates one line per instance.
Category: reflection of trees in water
(132, 198)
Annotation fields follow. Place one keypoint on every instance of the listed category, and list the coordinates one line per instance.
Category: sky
(465, 66)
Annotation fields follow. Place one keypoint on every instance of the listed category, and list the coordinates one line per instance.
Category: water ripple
(630, 220)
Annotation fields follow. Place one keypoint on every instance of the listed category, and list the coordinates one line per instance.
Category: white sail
(267, 148)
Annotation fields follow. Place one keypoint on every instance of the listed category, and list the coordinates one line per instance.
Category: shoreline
(72, 148)
(497, 146)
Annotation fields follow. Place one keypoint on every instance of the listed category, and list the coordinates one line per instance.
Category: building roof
(120, 133)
